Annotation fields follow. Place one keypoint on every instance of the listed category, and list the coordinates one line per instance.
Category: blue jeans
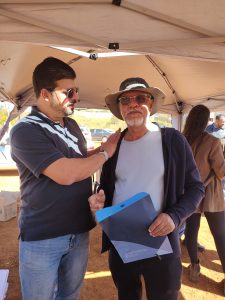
(53, 267)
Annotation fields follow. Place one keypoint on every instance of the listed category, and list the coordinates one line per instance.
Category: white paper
(4, 273)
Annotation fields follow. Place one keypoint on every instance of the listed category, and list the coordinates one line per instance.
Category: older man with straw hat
(160, 163)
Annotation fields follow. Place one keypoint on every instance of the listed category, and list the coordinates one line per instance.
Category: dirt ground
(98, 283)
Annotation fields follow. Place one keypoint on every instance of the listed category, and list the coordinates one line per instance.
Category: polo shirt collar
(36, 112)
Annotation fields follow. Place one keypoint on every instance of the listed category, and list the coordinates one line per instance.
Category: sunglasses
(139, 99)
(68, 93)
(71, 92)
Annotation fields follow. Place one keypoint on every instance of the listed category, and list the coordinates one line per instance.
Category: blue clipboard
(126, 225)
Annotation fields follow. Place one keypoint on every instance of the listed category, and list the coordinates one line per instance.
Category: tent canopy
(181, 42)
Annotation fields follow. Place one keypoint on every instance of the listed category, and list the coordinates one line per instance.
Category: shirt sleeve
(216, 159)
(31, 147)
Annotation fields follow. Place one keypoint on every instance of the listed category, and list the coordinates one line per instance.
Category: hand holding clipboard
(126, 224)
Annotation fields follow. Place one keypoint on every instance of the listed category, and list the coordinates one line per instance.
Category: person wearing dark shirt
(55, 172)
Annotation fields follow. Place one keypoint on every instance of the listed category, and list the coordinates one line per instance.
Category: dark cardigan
(183, 189)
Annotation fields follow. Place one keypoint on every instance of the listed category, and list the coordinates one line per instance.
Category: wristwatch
(106, 155)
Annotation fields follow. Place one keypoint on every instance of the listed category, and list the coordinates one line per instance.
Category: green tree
(94, 118)
(3, 116)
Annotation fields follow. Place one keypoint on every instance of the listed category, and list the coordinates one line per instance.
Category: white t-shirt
(140, 168)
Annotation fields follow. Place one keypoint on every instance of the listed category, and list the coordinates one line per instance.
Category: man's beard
(68, 111)
(63, 111)
(135, 122)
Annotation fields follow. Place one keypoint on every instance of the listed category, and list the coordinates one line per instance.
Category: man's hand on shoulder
(110, 145)
(162, 225)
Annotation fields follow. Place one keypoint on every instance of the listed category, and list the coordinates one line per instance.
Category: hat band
(134, 85)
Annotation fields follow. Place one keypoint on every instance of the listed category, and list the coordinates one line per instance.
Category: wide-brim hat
(134, 84)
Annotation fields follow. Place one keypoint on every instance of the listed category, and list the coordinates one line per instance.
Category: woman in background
(208, 154)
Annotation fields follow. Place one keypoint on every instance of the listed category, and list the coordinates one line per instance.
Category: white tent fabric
(184, 40)
(179, 27)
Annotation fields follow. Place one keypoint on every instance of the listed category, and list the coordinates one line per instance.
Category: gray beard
(136, 122)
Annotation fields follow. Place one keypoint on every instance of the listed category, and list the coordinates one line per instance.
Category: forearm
(186, 205)
(69, 170)
(66, 171)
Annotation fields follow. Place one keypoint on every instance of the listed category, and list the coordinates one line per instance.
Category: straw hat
(135, 84)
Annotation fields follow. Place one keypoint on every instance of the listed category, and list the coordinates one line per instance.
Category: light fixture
(95, 55)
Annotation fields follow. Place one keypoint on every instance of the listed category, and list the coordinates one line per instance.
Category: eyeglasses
(71, 92)
(140, 99)
(68, 93)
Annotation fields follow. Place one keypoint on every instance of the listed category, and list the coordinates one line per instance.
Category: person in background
(156, 161)
(217, 128)
(208, 155)
(55, 173)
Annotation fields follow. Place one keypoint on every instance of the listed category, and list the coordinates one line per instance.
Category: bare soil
(98, 282)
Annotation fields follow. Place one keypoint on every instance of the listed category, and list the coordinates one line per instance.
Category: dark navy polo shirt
(49, 209)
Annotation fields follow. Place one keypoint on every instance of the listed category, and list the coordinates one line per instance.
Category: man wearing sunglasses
(55, 172)
(160, 163)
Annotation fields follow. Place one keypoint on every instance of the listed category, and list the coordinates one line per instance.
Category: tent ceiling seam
(73, 60)
(215, 99)
(206, 98)
(172, 43)
(216, 106)
(53, 2)
(179, 104)
(165, 18)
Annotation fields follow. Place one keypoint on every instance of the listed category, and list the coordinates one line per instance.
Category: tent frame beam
(172, 43)
(162, 17)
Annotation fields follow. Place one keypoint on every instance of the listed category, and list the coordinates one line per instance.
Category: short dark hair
(48, 72)
(219, 116)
